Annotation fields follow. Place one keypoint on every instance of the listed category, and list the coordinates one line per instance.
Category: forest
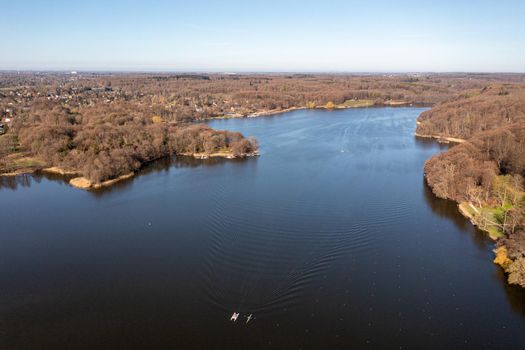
(105, 125)
(485, 174)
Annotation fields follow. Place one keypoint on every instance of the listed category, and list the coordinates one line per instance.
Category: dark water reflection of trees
(428, 143)
(161, 165)
(14, 182)
(443, 208)
(26, 180)
(164, 165)
(449, 210)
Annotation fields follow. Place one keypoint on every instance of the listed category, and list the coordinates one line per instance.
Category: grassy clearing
(486, 218)
(357, 103)
(20, 163)
(28, 162)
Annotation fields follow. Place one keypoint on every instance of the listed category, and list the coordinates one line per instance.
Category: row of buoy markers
(236, 315)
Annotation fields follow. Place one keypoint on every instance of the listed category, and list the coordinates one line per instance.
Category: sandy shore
(274, 112)
(208, 155)
(441, 139)
(227, 155)
(85, 184)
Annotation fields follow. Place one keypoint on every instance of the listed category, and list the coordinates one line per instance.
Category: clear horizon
(274, 37)
(226, 72)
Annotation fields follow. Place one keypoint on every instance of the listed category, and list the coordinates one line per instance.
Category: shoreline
(501, 257)
(18, 172)
(81, 182)
(85, 184)
(271, 112)
(226, 155)
(255, 114)
(463, 208)
(440, 139)
(468, 210)
(50, 170)
(72, 172)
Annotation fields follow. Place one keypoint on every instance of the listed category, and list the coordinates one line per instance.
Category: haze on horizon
(286, 35)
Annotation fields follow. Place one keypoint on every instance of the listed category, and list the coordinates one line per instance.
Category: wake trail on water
(266, 250)
(264, 264)
(344, 141)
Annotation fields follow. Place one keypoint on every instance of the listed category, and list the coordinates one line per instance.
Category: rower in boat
(234, 316)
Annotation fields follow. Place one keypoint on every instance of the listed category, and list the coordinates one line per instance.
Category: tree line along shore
(101, 128)
(105, 126)
(484, 173)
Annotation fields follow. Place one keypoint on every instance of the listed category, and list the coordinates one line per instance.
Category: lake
(329, 240)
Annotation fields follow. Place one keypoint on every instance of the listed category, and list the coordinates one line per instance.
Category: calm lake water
(330, 239)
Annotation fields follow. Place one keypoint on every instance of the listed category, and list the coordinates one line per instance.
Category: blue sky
(285, 35)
